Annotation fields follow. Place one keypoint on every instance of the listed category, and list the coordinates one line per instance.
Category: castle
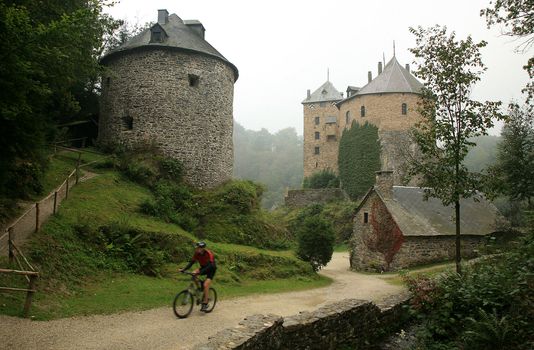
(170, 87)
(388, 101)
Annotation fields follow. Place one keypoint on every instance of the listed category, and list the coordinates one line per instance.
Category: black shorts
(209, 272)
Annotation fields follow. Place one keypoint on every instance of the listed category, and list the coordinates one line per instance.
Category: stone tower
(170, 87)
(388, 101)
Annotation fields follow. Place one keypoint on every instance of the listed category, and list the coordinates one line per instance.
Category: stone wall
(328, 141)
(357, 324)
(304, 197)
(148, 97)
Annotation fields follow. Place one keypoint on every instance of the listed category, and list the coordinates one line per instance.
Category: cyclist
(206, 259)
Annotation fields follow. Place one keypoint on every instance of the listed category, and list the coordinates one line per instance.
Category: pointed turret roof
(326, 92)
(394, 78)
(179, 36)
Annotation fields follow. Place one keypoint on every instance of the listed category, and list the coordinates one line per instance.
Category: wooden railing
(26, 270)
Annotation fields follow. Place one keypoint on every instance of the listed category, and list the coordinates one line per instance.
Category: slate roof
(417, 217)
(180, 36)
(326, 92)
(394, 78)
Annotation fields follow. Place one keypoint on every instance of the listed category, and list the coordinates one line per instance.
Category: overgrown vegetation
(359, 158)
(321, 179)
(489, 306)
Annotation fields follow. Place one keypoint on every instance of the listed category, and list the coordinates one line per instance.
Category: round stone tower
(169, 87)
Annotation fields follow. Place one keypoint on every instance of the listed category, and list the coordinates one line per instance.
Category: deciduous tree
(450, 118)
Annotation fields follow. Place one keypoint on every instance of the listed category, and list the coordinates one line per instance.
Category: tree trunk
(458, 255)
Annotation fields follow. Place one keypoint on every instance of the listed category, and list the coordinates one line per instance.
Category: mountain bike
(184, 301)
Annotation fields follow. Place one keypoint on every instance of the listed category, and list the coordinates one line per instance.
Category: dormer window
(157, 34)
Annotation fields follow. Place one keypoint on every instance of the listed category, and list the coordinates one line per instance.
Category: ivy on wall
(386, 237)
(359, 158)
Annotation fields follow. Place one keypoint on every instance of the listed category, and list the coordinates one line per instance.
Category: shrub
(322, 179)
(492, 296)
(315, 242)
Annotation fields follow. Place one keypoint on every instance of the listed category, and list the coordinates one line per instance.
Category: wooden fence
(29, 222)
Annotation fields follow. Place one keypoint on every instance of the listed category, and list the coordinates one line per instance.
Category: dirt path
(159, 329)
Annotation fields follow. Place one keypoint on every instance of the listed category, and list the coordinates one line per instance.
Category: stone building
(388, 101)
(394, 227)
(170, 87)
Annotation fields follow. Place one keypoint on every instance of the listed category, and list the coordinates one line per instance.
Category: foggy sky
(283, 48)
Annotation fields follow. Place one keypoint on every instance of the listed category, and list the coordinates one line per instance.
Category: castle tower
(321, 131)
(170, 87)
(389, 102)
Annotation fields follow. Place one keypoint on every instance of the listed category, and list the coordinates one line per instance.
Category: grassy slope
(76, 283)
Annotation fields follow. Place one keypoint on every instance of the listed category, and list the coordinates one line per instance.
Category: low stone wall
(414, 251)
(304, 197)
(355, 323)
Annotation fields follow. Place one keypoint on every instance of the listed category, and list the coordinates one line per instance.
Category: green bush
(493, 293)
(315, 242)
(322, 179)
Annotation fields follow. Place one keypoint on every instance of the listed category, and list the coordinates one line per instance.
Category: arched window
(404, 109)
(362, 111)
(347, 117)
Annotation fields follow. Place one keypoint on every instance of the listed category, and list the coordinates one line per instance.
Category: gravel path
(160, 329)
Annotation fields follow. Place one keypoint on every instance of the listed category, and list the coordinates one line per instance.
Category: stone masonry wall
(415, 250)
(357, 324)
(304, 197)
(328, 146)
(191, 123)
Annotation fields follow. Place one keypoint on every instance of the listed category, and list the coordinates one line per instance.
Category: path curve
(159, 329)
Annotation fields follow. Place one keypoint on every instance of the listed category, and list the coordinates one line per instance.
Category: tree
(450, 118)
(513, 173)
(358, 159)
(315, 241)
(49, 52)
(517, 16)
(321, 179)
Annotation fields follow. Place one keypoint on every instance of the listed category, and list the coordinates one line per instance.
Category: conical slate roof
(394, 78)
(326, 92)
(179, 36)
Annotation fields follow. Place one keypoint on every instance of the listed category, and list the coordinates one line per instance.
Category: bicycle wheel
(183, 304)
(212, 300)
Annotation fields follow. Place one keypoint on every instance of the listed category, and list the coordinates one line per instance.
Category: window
(404, 109)
(347, 117)
(316, 164)
(331, 138)
(317, 120)
(365, 218)
(362, 111)
(127, 122)
(317, 150)
(317, 135)
(193, 80)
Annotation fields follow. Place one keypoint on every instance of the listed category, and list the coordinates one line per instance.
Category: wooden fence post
(78, 168)
(29, 295)
(55, 201)
(37, 217)
(10, 244)
(67, 190)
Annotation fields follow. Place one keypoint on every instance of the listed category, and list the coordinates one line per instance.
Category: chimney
(309, 94)
(384, 183)
(379, 68)
(163, 17)
(407, 67)
(369, 76)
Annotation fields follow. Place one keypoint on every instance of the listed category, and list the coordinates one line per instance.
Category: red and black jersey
(204, 259)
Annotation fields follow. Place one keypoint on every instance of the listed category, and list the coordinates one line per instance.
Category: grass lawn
(395, 278)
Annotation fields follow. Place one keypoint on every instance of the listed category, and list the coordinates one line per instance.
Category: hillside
(101, 254)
